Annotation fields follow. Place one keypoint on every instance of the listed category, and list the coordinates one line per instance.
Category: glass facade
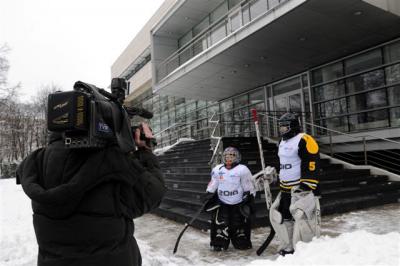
(359, 92)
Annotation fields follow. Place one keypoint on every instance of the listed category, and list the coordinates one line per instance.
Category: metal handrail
(216, 147)
(391, 159)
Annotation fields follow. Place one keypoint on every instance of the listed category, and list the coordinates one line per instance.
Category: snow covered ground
(368, 237)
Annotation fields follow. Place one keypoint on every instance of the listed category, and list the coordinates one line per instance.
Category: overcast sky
(62, 41)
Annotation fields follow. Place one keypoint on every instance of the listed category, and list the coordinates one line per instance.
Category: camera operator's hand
(142, 135)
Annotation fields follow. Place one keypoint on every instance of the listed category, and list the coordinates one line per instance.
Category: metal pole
(365, 151)
(330, 143)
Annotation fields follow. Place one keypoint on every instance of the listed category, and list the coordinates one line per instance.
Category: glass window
(369, 100)
(288, 85)
(394, 95)
(185, 55)
(202, 113)
(375, 119)
(335, 123)
(241, 100)
(304, 81)
(329, 91)
(245, 14)
(395, 117)
(180, 107)
(164, 103)
(227, 117)
(164, 120)
(218, 32)
(327, 73)
(219, 12)
(185, 39)
(211, 109)
(392, 74)
(233, 3)
(331, 108)
(392, 52)
(257, 8)
(295, 103)
(201, 26)
(171, 117)
(200, 45)
(363, 61)
(365, 81)
(226, 105)
(256, 96)
(191, 107)
(273, 3)
(235, 22)
(192, 116)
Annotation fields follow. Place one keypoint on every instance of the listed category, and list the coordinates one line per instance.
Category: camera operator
(84, 201)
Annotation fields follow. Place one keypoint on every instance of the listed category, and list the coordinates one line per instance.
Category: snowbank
(356, 248)
(364, 242)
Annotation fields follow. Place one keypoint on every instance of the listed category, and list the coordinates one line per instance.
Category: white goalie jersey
(231, 183)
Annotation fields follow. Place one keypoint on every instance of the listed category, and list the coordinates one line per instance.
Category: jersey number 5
(311, 166)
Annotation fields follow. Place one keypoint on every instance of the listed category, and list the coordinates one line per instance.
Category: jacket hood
(56, 178)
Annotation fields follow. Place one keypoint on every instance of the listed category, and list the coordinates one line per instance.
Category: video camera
(90, 117)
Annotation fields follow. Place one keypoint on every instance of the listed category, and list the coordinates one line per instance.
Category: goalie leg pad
(303, 209)
(283, 227)
(219, 232)
(240, 229)
(304, 229)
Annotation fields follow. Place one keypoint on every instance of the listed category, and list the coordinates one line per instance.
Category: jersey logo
(286, 166)
(227, 193)
(221, 177)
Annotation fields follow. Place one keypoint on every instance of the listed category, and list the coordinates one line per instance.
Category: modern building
(336, 63)
(201, 65)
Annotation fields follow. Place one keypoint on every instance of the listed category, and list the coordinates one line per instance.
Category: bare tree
(40, 109)
(22, 125)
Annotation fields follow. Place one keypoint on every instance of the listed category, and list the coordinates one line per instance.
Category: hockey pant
(293, 218)
(228, 224)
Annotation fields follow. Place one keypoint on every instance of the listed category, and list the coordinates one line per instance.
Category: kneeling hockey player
(230, 196)
(293, 214)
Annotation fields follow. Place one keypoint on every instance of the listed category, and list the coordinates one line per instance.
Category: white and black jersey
(231, 183)
(299, 162)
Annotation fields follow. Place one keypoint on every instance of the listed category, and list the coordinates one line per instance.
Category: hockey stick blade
(187, 225)
(179, 238)
(266, 243)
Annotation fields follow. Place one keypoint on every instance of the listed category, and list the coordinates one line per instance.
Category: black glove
(211, 201)
(246, 206)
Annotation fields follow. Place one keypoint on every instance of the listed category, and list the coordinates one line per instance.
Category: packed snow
(367, 237)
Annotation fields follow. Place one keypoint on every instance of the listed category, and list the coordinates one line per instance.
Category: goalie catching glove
(270, 176)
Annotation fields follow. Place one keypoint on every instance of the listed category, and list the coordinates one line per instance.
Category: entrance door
(289, 102)
(292, 101)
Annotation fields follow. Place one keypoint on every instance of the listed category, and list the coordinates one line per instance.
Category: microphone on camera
(139, 111)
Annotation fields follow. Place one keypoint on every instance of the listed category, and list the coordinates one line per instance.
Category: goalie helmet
(288, 125)
(231, 156)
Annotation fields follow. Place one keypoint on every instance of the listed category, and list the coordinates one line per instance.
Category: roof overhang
(294, 38)
(183, 16)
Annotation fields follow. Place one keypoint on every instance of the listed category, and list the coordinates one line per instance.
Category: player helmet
(231, 156)
(288, 125)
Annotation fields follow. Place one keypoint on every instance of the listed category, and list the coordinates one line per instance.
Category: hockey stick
(317, 217)
(187, 225)
(267, 190)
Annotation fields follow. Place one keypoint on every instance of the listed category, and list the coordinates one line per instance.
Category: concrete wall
(392, 6)
(162, 48)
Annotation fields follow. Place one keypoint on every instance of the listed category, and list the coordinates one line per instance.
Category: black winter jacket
(84, 203)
